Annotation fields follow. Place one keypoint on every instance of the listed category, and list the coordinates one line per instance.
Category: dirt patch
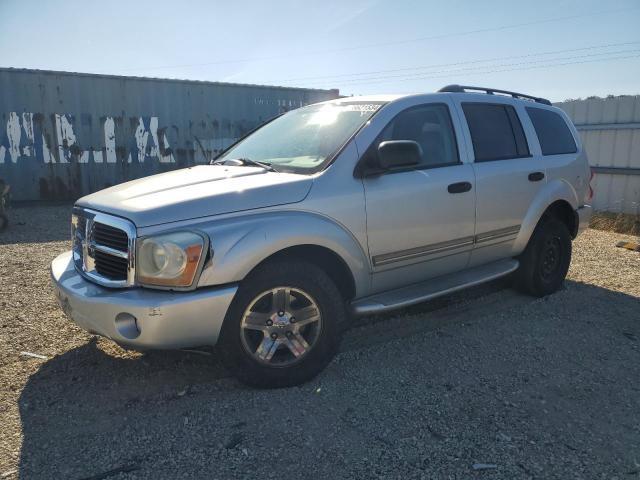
(544, 388)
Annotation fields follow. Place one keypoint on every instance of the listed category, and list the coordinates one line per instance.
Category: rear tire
(4, 222)
(545, 262)
(263, 343)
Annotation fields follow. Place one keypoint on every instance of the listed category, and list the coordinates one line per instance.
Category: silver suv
(349, 207)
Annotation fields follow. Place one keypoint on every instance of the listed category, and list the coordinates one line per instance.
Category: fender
(240, 244)
(554, 190)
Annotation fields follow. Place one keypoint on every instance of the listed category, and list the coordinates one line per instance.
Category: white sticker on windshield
(362, 107)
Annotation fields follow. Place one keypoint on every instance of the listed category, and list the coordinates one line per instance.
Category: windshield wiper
(246, 161)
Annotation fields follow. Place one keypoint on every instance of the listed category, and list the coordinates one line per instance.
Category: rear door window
(496, 132)
(553, 133)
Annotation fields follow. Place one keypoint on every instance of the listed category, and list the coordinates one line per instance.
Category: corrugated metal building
(67, 134)
(610, 130)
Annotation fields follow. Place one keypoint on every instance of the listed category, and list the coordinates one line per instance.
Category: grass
(616, 222)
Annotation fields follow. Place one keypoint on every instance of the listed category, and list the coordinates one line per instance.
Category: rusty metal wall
(67, 134)
(610, 130)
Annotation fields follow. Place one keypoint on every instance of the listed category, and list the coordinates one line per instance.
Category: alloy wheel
(280, 326)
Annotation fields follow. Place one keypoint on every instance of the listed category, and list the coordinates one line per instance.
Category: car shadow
(87, 400)
(72, 397)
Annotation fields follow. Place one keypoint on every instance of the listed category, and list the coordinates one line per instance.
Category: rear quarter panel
(567, 177)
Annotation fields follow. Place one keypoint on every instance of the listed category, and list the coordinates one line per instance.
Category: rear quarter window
(553, 133)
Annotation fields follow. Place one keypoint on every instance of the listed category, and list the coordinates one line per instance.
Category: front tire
(284, 325)
(545, 262)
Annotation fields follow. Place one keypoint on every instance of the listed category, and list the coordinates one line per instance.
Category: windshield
(302, 140)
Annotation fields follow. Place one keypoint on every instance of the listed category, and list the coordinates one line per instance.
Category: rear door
(508, 177)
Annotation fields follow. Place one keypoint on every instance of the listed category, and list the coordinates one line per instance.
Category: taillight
(590, 194)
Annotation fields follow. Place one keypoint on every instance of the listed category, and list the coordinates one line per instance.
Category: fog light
(127, 325)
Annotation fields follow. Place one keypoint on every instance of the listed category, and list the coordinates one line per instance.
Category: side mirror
(399, 153)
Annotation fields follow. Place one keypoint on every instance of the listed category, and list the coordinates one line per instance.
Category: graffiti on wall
(64, 135)
(26, 136)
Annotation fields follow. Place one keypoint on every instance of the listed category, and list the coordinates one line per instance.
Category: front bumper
(584, 215)
(138, 317)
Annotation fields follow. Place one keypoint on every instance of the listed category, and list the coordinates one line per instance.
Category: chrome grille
(110, 237)
(113, 268)
(104, 248)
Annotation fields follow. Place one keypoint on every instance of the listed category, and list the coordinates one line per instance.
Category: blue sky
(559, 49)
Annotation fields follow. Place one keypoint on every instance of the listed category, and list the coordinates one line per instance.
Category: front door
(420, 222)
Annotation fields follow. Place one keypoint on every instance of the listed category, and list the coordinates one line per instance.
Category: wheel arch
(240, 246)
(559, 199)
(561, 210)
(322, 257)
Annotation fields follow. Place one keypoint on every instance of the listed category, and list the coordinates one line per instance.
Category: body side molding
(426, 250)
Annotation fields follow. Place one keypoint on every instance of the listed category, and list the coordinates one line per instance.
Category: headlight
(169, 260)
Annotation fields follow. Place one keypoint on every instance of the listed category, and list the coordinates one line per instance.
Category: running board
(435, 287)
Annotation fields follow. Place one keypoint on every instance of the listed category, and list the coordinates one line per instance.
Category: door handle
(459, 187)
(536, 176)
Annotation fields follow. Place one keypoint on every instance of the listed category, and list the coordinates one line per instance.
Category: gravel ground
(482, 384)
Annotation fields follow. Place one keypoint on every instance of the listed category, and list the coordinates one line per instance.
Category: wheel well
(324, 258)
(562, 211)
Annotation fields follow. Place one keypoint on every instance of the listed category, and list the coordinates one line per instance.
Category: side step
(432, 288)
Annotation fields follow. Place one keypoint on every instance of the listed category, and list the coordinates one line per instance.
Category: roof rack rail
(491, 91)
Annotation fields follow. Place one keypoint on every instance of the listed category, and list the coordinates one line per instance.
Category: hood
(198, 192)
